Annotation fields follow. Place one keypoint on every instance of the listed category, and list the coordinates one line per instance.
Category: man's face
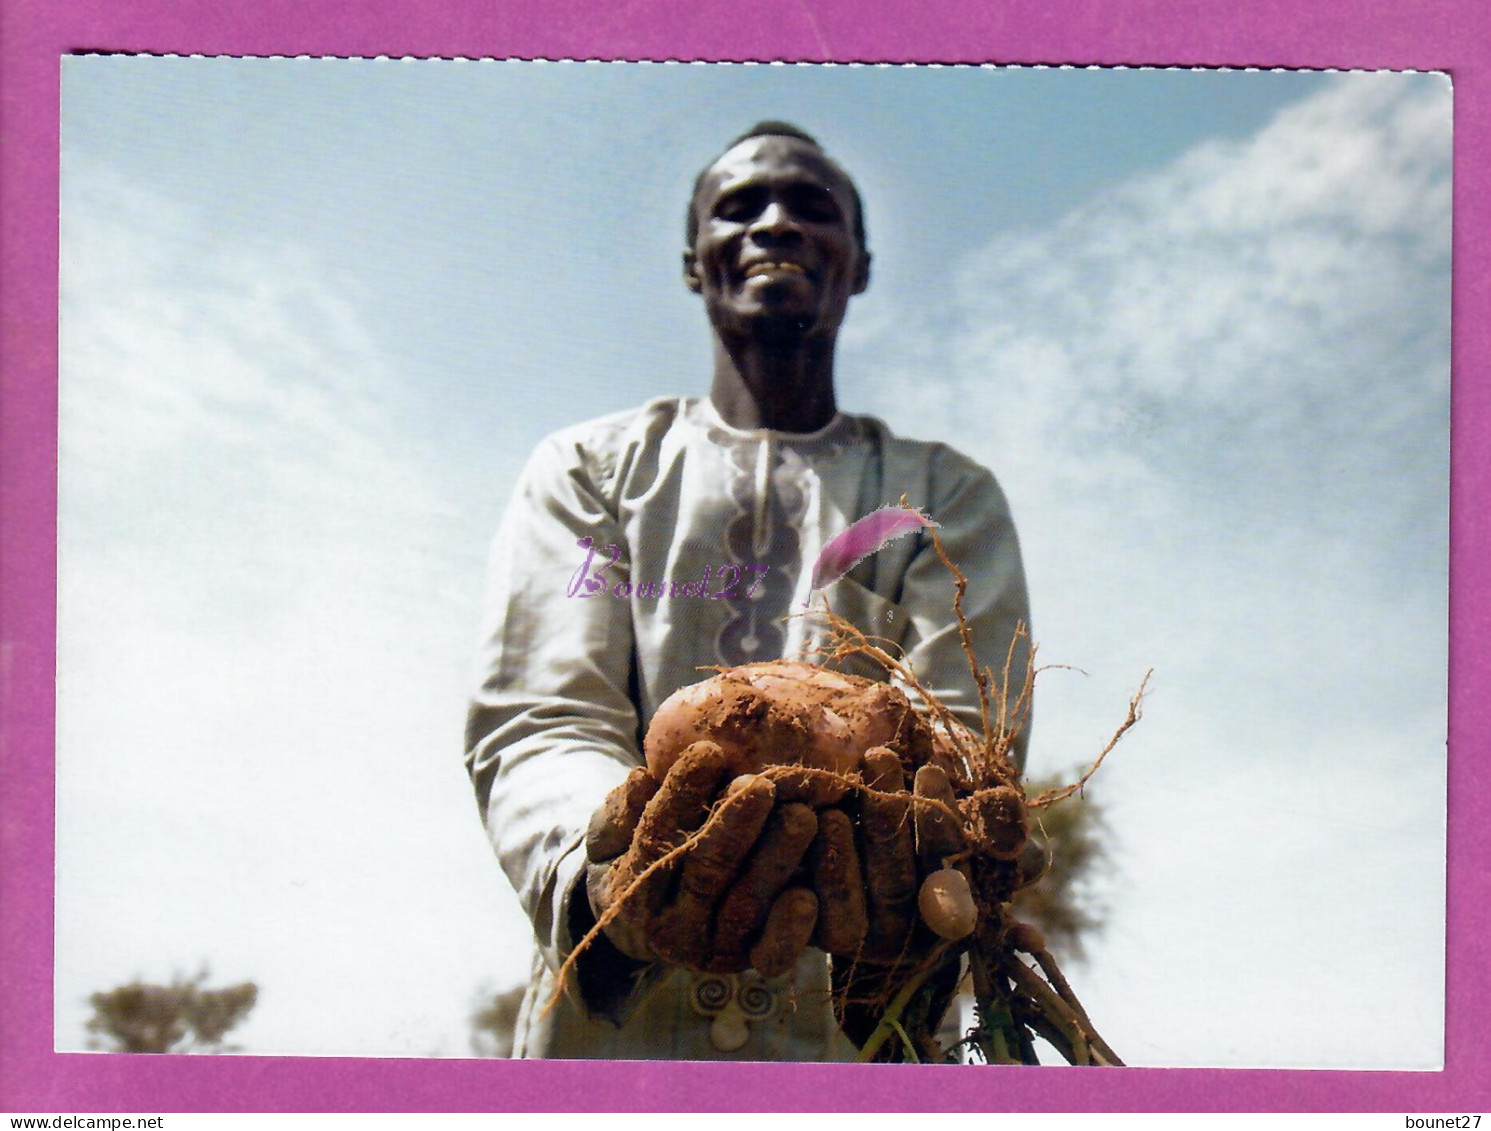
(776, 255)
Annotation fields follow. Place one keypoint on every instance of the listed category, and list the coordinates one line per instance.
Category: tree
(184, 1016)
(493, 1019)
(1062, 902)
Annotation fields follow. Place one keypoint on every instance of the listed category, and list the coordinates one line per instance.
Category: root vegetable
(731, 712)
(805, 738)
(946, 904)
(997, 822)
(787, 714)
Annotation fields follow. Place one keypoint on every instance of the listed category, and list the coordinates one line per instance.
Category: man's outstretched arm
(552, 727)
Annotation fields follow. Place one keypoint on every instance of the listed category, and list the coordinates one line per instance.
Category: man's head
(776, 237)
(772, 129)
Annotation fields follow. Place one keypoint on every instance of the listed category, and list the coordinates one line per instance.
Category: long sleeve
(692, 508)
(553, 725)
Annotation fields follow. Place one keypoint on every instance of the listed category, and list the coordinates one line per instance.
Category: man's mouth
(772, 267)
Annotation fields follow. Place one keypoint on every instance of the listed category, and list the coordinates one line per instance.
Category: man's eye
(813, 203)
(738, 206)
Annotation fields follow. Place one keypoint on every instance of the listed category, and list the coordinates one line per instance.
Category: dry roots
(1016, 1000)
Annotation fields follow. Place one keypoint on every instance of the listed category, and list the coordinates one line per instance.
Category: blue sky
(315, 314)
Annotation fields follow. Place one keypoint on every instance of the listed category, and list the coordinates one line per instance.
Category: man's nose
(775, 220)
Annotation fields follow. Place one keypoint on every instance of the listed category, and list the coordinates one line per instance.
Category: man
(643, 547)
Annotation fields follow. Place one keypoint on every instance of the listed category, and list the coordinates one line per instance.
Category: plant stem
(891, 1022)
(906, 1041)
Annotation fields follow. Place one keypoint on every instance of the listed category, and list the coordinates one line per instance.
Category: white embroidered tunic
(642, 549)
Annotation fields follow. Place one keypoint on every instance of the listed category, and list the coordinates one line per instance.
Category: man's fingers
(628, 935)
(939, 832)
(680, 932)
(833, 864)
(889, 856)
(679, 806)
(789, 926)
(724, 916)
(681, 802)
(727, 839)
(813, 787)
(945, 898)
(744, 910)
(615, 822)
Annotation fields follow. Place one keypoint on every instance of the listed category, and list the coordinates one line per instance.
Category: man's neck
(787, 388)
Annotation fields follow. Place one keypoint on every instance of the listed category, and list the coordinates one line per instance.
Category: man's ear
(691, 271)
(862, 273)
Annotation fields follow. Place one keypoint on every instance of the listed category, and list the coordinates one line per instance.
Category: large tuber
(785, 713)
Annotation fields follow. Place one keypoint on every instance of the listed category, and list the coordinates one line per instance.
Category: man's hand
(731, 907)
(905, 838)
(766, 874)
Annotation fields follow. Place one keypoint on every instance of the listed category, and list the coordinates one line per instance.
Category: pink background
(1450, 35)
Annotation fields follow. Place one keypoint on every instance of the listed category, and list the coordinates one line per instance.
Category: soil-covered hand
(873, 884)
(772, 863)
(724, 904)
(907, 840)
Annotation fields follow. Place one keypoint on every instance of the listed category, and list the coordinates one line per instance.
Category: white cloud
(266, 616)
(1244, 348)
(1294, 283)
(1217, 396)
